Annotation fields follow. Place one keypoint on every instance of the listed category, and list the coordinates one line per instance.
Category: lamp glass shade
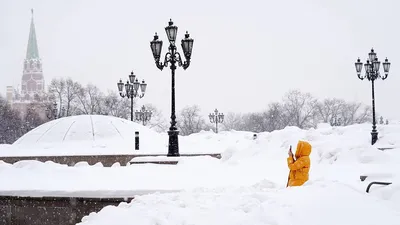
(156, 46)
(358, 65)
(386, 66)
(211, 116)
(187, 46)
(120, 86)
(136, 85)
(132, 77)
(171, 31)
(367, 67)
(128, 88)
(377, 64)
(372, 55)
(221, 118)
(143, 87)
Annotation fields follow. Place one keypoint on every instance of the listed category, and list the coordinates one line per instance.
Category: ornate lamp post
(372, 73)
(132, 89)
(52, 113)
(172, 58)
(216, 118)
(143, 115)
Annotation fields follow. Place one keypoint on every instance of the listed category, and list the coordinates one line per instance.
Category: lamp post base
(374, 136)
(173, 147)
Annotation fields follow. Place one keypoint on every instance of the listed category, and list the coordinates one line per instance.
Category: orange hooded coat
(299, 169)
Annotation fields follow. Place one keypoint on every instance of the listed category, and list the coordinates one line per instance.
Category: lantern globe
(377, 64)
(372, 55)
(132, 77)
(358, 65)
(187, 46)
(386, 66)
(171, 31)
(136, 85)
(156, 46)
(143, 87)
(120, 86)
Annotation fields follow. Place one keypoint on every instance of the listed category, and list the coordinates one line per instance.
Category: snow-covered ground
(247, 186)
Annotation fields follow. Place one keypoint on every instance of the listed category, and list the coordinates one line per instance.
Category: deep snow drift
(247, 186)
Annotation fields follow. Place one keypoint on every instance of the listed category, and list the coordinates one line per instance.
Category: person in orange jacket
(299, 167)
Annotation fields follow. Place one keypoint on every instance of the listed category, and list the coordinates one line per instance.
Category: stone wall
(50, 210)
(106, 160)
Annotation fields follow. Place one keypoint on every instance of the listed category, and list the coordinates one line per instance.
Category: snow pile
(328, 203)
(330, 144)
(247, 186)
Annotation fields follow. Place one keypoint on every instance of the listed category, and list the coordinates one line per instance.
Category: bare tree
(275, 117)
(90, 99)
(190, 120)
(355, 112)
(330, 108)
(158, 122)
(255, 122)
(116, 106)
(300, 109)
(57, 90)
(269, 120)
(72, 89)
(233, 121)
(349, 113)
(364, 115)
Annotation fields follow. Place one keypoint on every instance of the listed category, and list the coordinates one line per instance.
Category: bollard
(136, 140)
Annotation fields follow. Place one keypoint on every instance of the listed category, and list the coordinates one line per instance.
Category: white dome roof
(80, 134)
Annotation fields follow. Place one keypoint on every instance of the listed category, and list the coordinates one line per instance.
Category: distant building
(32, 82)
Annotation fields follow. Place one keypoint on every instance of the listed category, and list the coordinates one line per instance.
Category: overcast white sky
(245, 55)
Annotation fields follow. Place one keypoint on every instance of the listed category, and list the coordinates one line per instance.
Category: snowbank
(328, 203)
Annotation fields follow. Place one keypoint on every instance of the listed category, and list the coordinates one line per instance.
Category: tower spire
(32, 51)
(32, 82)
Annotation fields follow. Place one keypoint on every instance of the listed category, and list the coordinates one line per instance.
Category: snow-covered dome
(89, 134)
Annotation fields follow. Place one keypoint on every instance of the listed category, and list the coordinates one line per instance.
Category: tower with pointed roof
(32, 83)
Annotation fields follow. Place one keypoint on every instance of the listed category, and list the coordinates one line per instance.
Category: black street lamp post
(143, 115)
(216, 118)
(132, 89)
(172, 57)
(372, 73)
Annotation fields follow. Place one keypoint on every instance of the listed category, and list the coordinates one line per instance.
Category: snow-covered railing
(380, 175)
(377, 182)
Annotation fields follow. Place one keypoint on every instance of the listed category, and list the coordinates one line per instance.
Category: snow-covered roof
(89, 134)
(80, 128)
